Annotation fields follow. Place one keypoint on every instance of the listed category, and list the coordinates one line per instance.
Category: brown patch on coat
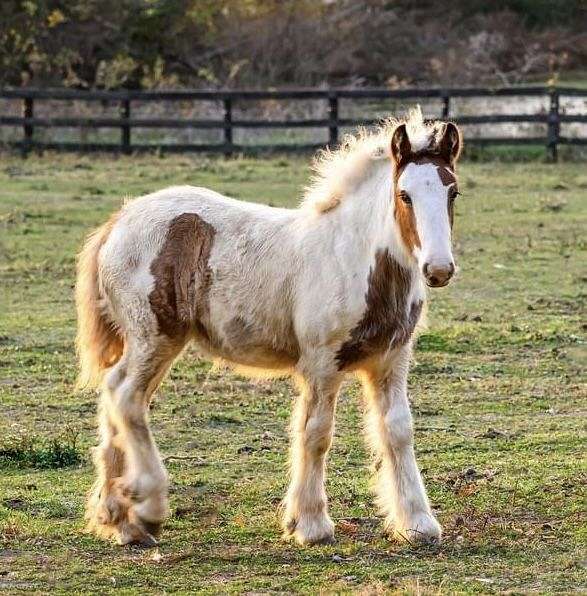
(443, 167)
(258, 342)
(238, 330)
(446, 176)
(406, 221)
(386, 322)
(329, 204)
(182, 277)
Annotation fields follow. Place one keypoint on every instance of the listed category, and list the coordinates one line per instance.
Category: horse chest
(388, 319)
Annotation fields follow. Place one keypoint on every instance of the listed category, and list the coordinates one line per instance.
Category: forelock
(424, 136)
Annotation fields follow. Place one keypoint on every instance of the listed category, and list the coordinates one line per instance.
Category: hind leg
(129, 500)
(104, 509)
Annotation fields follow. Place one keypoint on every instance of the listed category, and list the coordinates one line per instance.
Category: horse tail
(99, 343)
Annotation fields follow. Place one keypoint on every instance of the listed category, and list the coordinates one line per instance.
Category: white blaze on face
(429, 196)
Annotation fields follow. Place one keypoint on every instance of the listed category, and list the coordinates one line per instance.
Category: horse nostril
(425, 269)
(451, 269)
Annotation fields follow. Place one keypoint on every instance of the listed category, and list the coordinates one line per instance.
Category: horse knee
(318, 435)
(399, 427)
(128, 405)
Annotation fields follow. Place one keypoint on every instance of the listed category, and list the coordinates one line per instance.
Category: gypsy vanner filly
(336, 286)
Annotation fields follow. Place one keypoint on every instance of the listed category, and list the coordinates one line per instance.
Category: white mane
(338, 172)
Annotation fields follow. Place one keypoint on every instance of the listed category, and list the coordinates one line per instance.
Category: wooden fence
(126, 122)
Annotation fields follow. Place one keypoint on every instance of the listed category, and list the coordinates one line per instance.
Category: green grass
(497, 388)
(25, 451)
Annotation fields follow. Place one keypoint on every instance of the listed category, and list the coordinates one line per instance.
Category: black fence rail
(333, 123)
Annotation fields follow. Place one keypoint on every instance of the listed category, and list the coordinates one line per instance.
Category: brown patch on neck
(183, 277)
(387, 322)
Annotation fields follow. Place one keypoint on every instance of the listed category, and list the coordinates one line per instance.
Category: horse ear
(451, 143)
(400, 143)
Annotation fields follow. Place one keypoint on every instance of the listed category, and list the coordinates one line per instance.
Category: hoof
(421, 529)
(152, 528)
(135, 535)
(113, 513)
(129, 524)
(147, 541)
(321, 541)
(310, 531)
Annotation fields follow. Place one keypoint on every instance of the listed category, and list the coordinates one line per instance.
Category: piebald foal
(334, 287)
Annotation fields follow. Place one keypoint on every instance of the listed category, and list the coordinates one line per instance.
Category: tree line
(268, 43)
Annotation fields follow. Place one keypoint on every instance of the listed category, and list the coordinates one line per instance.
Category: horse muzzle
(438, 276)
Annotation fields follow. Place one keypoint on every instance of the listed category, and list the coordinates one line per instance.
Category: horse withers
(334, 287)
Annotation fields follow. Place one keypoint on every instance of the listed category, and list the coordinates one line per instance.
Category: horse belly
(250, 341)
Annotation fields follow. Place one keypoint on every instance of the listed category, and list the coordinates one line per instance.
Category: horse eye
(405, 198)
(453, 193)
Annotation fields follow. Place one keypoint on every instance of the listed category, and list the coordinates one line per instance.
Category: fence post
(333, 119)
(227, 126)
(125, 127)
(445, 105)
(553, 126)
(27, 112)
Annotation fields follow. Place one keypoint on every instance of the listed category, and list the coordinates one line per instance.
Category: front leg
(306, 516)
(400, 491)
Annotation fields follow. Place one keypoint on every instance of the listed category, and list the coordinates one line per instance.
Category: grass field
(498, 398)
